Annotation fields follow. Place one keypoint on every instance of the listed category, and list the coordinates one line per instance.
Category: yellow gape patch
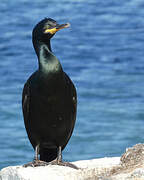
(51, 31)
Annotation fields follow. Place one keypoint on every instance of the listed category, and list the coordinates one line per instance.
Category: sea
(103, 54)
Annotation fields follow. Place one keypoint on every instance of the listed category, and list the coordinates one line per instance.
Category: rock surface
(129, 167)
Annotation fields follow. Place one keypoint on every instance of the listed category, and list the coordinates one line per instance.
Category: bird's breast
(51, 110)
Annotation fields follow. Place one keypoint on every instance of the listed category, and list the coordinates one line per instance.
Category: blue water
(102, 52)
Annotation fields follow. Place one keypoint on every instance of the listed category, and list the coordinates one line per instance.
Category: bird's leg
(36, 162)
(36, 153)
(59, 155)
(58, 160)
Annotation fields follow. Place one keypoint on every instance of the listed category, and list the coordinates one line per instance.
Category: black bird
(49, 99)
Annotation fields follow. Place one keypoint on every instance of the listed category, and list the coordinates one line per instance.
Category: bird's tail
(48, 155)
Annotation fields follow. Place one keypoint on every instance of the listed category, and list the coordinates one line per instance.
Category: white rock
(129, 167)
(90, 169)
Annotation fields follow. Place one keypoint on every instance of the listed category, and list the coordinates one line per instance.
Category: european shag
(49, 99)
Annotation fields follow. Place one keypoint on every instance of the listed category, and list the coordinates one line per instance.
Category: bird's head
(46, 28)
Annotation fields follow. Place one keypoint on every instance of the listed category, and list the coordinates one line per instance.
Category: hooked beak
(53, 30)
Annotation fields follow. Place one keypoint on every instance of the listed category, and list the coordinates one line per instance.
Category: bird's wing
(74, 102)
(26, 102)
(73, 93)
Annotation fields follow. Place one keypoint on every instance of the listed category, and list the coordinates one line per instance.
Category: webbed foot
(63, 163)
(36, 163)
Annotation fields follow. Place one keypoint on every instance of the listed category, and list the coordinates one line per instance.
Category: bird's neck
(48, 63)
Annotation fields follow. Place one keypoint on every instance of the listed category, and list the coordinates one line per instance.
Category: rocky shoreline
(130, 166)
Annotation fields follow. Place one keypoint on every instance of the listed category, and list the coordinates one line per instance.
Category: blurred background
(102, 52)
